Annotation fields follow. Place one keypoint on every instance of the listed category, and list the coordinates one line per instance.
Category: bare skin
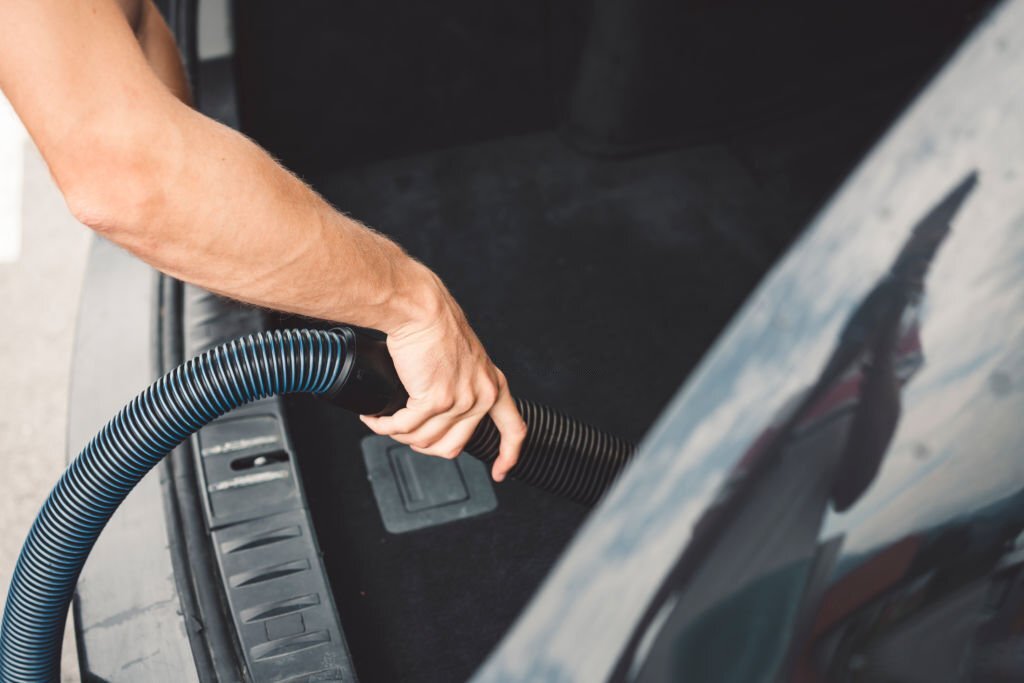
(100, 87)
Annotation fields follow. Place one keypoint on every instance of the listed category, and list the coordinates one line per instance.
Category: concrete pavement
(42, 258)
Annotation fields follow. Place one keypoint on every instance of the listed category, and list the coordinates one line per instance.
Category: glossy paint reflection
(865, 529)
(756, 549)
(928, 586)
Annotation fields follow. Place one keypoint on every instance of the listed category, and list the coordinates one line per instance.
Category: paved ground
(42, 257)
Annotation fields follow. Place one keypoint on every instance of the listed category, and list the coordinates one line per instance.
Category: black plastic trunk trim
(214, 643)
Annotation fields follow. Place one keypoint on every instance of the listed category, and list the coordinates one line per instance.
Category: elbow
(113, 186)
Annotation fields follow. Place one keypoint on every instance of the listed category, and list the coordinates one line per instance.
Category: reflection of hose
(161, 417)
(349, 368)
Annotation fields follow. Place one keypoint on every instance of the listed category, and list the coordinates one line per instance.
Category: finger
(406, 420)
(454, 440)
(432, 431)
(512, 428)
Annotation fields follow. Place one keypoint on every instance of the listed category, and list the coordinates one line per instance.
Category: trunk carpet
(595, 285)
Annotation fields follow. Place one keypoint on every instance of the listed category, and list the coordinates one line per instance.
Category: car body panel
(949, 475)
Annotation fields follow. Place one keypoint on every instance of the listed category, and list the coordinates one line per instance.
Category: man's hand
(100, 88)
(452, 384)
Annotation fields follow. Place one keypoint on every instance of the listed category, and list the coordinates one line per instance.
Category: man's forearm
(219, 212)
(323, 229)
(100, 94)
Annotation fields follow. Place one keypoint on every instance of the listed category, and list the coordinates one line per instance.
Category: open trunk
(599, 184)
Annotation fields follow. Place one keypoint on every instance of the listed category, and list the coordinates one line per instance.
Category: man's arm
(203, 203)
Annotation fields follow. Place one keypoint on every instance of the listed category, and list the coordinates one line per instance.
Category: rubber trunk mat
(413, 492)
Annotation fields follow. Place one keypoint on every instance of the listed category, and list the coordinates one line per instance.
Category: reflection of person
(763, 531)
(100, 87)
(756, 565)
(884, 334)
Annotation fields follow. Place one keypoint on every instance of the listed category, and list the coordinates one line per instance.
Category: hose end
(368, 383)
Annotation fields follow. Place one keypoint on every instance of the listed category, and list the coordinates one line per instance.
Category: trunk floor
(596, 285)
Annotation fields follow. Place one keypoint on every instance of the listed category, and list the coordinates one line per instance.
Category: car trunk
(600, 185)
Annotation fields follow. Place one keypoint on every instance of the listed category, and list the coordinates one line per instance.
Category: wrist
(417, 300)
(394, 292)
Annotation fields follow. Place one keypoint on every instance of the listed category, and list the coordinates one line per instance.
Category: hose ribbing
(153, 423)
(560, 455)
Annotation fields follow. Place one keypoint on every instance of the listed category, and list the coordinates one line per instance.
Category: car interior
(600, 184)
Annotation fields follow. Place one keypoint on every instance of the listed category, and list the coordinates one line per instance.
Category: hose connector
(368, 383)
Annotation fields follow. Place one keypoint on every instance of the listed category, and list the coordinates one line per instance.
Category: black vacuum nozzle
(367, 383)
(560, 455)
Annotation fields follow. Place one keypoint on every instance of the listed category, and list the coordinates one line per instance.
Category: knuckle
(443, 401)
(417, 404)
(488, 394)
(450, 453)
(396, 422)
(422, 444)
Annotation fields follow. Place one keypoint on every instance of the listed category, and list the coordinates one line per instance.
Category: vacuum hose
(351, 369)
(560, 455)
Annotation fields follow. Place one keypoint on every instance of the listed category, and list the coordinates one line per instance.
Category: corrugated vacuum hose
(350, 368)
(560, 454)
